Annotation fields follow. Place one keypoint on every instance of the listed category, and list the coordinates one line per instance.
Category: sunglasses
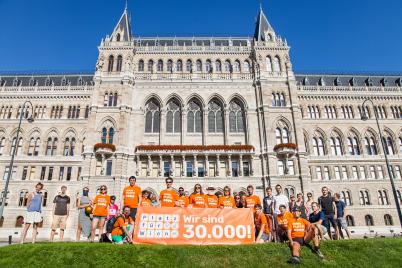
(181, 190)
(169, 182)
(102, 189)
(197, 187)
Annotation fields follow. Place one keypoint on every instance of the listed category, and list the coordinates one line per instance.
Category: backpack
(110, 224)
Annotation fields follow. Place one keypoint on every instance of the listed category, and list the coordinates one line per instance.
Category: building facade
(206, 110)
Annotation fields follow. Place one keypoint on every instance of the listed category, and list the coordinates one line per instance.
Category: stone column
(241, 165)
(161, 166)
(206, 166)
(217, 165)
(149, 167)
(171, 171)
(229, 171)
(195, 168)
(183, 168)
(138, 163)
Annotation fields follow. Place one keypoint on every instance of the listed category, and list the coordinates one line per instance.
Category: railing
(193, 76)
(64, 89)
(350, 89)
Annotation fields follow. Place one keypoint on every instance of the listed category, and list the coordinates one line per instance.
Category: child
(145, 202)
(113, 208)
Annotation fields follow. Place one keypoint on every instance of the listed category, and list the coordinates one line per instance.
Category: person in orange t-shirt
(211, 199)
(183, 199)
(251, 200)
(300, 233)
(123, 228)
(145, 202)
(262, 227)
(226, 201)
(101, 203)
(197, 198)
(168, 197)
(282, 221)
(132, 196)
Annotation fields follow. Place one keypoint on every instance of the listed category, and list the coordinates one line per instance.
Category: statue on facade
(99, 63)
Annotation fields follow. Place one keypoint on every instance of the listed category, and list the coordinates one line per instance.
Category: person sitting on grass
(300, 233)
(262, 228)
(145, 202)
(317, 218)
(122, 228)
(282, 221)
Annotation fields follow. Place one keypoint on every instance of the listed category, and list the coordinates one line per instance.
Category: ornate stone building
(207, 110)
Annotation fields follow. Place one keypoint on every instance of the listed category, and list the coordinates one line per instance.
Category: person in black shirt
(328, 207)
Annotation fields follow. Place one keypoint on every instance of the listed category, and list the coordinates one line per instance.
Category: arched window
(1, 221)
(152, 117)
(51, 146)
(388, 220)
(111, 135)
(389, 145)
(160, 66)
(399, 196)
(194, 117)
(115, 99)
(236, 66)
(236, 117)
(282, 101)
(400, 145)
(370, 144)
(228, 66)
(277, 65)
(104, 135)
(19, 146)
(346, 197)
(119, 63)
(218, 66)
(289, 190)
(189, 66)
(269, 64)
(369, 220)
(23, 198)
(383, 197)
(350, 221)
(169, 66)
(141, 66)
(33, 149)
(118, 37)
(215, 117)
(282, 135)
(353, 146)
(336, 146)
(318, 146)
(150, 66)
(173, 117)
(67, 147)
(179, 66)
(110, 64)
(364, 197)
(199, 66)
(246, 68)
(2, 144)
(208, 66)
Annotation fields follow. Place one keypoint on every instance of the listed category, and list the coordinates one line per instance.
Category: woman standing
(101, 203)
(227, 200)
(309, 202)
(238, 201)
(197, 198)
(84, 219)
(34, 211)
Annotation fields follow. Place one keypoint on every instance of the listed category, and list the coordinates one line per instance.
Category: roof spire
(122, 31)
(126, 5)
(262, 26)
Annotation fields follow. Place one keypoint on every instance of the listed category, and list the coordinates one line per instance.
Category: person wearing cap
(183, 199)
(282, 220)
(300, 233)
(197, 198)
(211, 199)
(132, 196)
(251, 200)
(145, 202)
(113, 208)
(227, 200)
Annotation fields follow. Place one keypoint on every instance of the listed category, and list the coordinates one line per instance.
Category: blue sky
(325, 36)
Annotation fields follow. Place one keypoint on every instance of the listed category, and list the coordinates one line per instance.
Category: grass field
(353, 253)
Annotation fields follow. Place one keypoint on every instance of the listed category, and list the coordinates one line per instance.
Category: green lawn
(354, 253)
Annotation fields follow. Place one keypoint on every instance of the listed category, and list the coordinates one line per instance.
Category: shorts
(99, 218)
(118, 238)
(322, 228)
(342, 223)
(299, 240)
(59, 221)
(282, 235)
(33, 217)
(265, 237)
(133, 212)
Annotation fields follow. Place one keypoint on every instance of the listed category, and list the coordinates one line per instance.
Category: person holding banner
(101, 203)
(251, 200)
(183, 199)
(211, 199)
(197, 198)
(132, 196)
(227, 201)
(262, 228)
(168, 197)
(122, 227)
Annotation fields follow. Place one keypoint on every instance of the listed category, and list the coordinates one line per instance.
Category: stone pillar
(229, 171)
(149, 167)
(184, 167)
(161, 166)
(171, 171)
(251, 165)
(138, 163)
(217, 165)
(241, 165)
(206, 166)
(195, 168)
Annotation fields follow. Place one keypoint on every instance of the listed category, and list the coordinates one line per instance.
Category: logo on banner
(159, 226)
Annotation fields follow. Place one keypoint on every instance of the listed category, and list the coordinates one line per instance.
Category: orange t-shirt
(283, 220)
(227, 202)
(168, 197)
(298, 227)
(131, 195)
(121, 222)
(183, 201)
(197, 200)
(146, 202)
(212, 201)
(251, 201)
(259, 220)
(101, 203)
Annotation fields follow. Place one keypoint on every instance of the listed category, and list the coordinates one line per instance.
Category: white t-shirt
(280, 200)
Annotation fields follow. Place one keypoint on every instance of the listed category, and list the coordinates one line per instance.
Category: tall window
(364, 197)
(215, 117)
(369, 220)
(51, 146)
(189, 66)
(388, 220)
(277, 65)
(318, 146)
(353, 146)
(228, 66)
(150, 66)
(346, 196)
(69, 147)
(2, 144)
(282, 135)
(199, 66)
(400, 145)
(169, 66)
(152, 117)
(160, 66)
(19, 146)
(350, 220)
(236, 66)
(269, 64)
(173, 117)
(208, 66)
(141, 66)
(336, 146)
(371, 147)
(218, 66)
(236, 117)
(194, 117)
(33, 149)
(383, 197)
(110, 64)
(246, 68)
(179, 66)
(23, 198)
(119, 63)
(389, 145)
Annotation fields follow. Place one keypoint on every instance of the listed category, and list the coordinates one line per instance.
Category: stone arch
(150, 97)
(281, 122)
(54, 131)
(219, 98)
(68, 131)
(173, 96)
(240, 98)
(197, 97)
(107, 122)
(33, 131)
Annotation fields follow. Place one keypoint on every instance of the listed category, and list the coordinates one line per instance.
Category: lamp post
(364, 117)
(10, 171)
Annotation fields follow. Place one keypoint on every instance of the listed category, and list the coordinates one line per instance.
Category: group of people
(276, 218)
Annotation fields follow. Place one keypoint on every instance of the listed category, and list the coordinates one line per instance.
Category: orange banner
(194, 226)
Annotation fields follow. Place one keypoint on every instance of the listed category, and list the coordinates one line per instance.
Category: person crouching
(122, 228)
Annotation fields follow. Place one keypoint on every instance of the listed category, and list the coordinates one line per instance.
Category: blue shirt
(316, 217)
(340, 205)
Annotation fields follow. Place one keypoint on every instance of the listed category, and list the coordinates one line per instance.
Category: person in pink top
(113, 208)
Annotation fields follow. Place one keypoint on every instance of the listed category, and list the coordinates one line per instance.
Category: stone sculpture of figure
(99, 63)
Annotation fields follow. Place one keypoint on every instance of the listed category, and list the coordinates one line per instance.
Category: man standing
(211, 199)
(340, 210)
(34, 216)
(61, 211)
(183, 200)
(268, 202)
(132, 196)
(280, 199)
(251, 200)
(168, 197)
(328, 207)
